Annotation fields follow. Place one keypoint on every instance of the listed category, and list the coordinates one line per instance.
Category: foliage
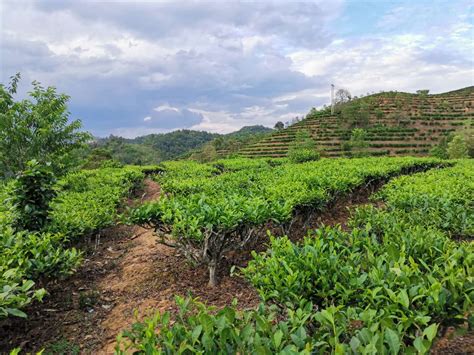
(154, 148)
(303, 148)
(86, 202)
(26, 256)
(126, 151)
(342, 96)
(356, 113)
(441, 149)
(374, 289)
(36, 128)
(442, 198)
(32, 194)
(175, 144)
(89, 199)
(15, 296)
(214, 208)
(388, 284)
(457, 148)
(62, 346)
(228, 144)
(358, 142)
(468, 134)
(279, 125)
(203, 330)
(208, 154)
(96, 157)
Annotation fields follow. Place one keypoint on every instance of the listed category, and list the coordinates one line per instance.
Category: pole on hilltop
(332, 99)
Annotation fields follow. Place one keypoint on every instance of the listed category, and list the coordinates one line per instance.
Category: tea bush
(86, 202)
(397, 280)
(203, 330)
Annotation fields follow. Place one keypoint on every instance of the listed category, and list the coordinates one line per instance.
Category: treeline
(154, 148)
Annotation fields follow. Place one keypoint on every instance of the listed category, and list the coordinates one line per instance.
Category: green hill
(395, 123)
(153, 148)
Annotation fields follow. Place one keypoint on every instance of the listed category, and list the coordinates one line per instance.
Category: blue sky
(134, 68)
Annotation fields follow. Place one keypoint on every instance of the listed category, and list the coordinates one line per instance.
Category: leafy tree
(208, 153)
(36, 128)
(279, 125)
(457, 148)
(359, 142)
(346, 148)
(303, 148)
(33, 191)
(441, 150)
(468, 135)
(96, 157)
(356, 113)
(342, 96)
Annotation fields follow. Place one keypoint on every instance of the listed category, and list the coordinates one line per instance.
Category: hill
(153, 148)
(395, 123)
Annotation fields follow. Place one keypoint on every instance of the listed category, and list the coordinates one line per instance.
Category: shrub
(358, 142)
(402, 281)
(303, 148)
(457, 148)
(202, 330)
(32, 195)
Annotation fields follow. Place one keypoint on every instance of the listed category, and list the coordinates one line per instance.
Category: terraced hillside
(395, 123)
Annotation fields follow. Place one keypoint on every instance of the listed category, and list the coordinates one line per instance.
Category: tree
(356, 113)
(279, 125)
(342, 96)
(359, 142)
(303, 148)
(457, 148)
(441, 149)
(36, 128)
(468, 135)
(207, 154)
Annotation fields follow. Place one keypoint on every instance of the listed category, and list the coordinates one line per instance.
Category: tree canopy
(36, 128)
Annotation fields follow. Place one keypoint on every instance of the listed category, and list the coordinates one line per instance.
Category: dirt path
(129, 272)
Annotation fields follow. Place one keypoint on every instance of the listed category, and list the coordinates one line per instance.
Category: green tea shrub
(204, 330)
(440, 198)
(303, 148)
(384, 276)
(32, 194)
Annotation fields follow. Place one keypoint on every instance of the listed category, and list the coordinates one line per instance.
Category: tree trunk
(212, 274)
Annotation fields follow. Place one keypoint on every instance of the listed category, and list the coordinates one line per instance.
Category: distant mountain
(153, 148)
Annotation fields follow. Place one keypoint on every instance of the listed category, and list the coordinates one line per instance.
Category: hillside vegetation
(154, 148)
(394, 123)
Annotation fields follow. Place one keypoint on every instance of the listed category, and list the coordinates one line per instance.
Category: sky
(139, 67)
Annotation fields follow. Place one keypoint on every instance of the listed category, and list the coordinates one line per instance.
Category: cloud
(167, 117)
(136, 67)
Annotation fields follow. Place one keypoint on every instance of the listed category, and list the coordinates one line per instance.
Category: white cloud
(222, 67)
(405, 62)
(165, 108)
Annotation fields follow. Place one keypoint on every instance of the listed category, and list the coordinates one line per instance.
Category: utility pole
(332, 99)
